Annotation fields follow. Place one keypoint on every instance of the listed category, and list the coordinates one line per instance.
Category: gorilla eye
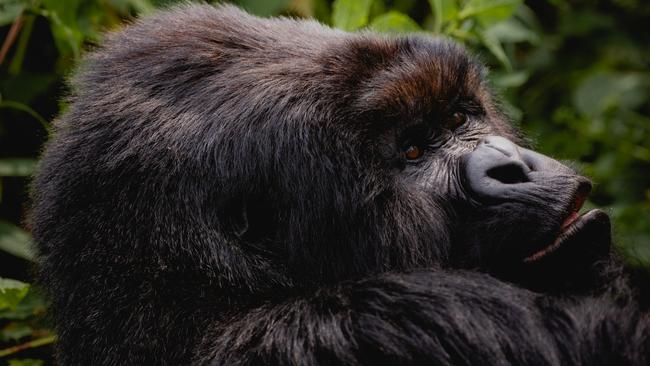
(413, 152)
(457, 119)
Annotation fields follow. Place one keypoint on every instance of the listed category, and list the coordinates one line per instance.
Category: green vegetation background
(573, 74)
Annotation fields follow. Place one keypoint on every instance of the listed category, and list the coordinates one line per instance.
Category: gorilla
(230, 190)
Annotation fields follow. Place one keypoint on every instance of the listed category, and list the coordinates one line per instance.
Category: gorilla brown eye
(413, 152)
(456, 120)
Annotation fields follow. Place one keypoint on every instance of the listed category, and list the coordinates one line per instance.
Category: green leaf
(16, 241)
(14, 331)
(444, 11)
(17, 167)
(604, 90)
(321, 10)
(488, 12)
(12, 292)
(504, 80)
(139, 6)
(394, 22)
(496, 49)
(67, 10)
(446, 8)
(63, 16)
(513, 31)
(10, 10)
(32, 305)
(350, 15)
(162, 3)
(142, 7)
(263, 8)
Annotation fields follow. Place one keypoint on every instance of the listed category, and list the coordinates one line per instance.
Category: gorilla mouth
(588, 232)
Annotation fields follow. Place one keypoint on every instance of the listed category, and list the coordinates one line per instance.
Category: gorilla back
(229, 190)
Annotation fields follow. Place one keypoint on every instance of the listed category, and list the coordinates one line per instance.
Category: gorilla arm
(430, 317)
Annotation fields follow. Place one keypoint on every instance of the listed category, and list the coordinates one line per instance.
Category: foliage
(22, 310)
(573, 74)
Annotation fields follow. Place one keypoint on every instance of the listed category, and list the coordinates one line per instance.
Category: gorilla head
(211, 162)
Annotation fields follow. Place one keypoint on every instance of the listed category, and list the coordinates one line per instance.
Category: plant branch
(11, 37)
(31, 344)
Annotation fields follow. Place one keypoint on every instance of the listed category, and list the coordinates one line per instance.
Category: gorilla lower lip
(569, 227)
(573, 225)
(570, 220)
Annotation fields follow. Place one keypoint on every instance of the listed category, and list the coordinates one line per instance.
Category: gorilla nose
(499, 161)
(497, 168)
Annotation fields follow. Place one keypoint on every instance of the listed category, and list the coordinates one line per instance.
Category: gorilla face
(510, 205)
(535, 201)
(434, 149)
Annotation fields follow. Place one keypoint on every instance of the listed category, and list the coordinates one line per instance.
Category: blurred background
(573, 74)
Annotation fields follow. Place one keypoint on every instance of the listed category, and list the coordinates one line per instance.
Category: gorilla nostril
(508, 174)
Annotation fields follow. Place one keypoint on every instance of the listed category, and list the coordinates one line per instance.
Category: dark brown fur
(228, 190)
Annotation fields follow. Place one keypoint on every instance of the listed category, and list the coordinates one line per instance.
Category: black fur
(229, 190)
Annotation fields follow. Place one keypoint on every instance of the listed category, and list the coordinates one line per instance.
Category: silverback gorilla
(230, 190)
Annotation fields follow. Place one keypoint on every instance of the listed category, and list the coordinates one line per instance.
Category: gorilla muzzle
(500, 172)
